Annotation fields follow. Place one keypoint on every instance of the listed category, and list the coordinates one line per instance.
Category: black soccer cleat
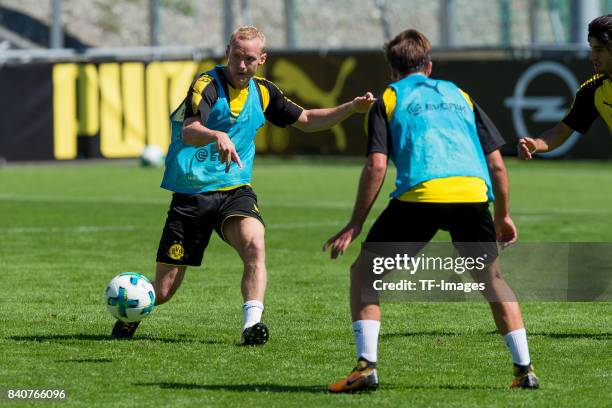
(254, 335)
(524, 377)
(124, 330)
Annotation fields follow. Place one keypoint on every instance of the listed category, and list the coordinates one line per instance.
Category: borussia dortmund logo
(176, 252)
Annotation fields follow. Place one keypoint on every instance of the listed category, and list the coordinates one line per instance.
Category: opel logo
(547, 108)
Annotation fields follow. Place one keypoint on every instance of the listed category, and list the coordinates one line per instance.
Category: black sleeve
(209, 97)
(583, 112)
(490, 138)
(378, 128)
(281, 111)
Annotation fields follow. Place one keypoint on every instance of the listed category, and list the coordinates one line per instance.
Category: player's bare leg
(509, 321)
(364, 298)
(365, 310)
(168, 278)
(246, 236)
(502, 300)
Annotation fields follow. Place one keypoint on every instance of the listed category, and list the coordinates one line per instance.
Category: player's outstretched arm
(313, 120)
(549, 140)
(372, 177)
(505, 231)
(197, 135)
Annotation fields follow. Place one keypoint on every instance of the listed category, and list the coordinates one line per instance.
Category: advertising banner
(67, 111)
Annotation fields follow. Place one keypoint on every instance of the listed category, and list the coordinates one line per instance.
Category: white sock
(251, 313)
(366, 338)
(516, 341)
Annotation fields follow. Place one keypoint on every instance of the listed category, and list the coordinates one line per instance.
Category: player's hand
(227, 151)
(342, 240)
(526, 148)
(361, 104)
(505, 231)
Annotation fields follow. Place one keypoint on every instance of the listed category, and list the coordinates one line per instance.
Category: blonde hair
(248, 33)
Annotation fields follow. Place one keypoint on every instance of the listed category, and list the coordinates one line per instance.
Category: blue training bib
(434, 134)
(191, 170)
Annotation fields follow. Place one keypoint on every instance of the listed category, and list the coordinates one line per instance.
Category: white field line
(118, 228)
(276, 204)
(75, 229)
(156, 201)
(73, 199)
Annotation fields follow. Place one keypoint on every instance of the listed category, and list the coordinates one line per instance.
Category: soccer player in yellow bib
(449, 168)
(593, 98)
(208, 170)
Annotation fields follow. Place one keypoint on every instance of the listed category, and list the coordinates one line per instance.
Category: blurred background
(300, 24)
(98, 79)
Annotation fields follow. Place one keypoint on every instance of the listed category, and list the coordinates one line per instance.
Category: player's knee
(162, 294)
(361, 280)
(253, 251)
(357, 269)
(488, 274)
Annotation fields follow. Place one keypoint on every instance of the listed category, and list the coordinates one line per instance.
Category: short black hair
(601, 29)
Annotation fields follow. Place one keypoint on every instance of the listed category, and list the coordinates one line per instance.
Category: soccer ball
(152, 156)
(130, 297)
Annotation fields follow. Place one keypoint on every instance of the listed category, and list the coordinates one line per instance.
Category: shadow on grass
(445, 387)
(435, 333)
(85, 360)
(99, 337)
(311, 389)
(278, 388)
(552, 335)
(594, 336)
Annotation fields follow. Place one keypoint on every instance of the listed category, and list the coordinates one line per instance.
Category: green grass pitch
(66, 230)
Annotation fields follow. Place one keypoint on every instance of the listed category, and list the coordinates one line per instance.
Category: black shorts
(470, 226)
(192, 218)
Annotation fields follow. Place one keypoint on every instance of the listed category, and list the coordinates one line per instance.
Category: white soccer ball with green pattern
(130, 297)
(152, 156)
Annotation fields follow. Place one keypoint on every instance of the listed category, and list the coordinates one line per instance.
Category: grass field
(65, 230)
